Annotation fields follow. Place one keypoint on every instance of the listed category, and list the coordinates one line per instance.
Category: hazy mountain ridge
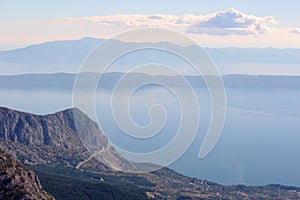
(65, 50)
(25, 135)
(70, 51)
(65, 81)
(67, 56)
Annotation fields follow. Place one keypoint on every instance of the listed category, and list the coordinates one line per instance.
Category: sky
(229, 23)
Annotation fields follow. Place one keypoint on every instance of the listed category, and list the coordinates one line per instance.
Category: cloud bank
(230, 22)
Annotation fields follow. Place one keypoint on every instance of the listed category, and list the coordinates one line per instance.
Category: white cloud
(219, 23)
(232, 22)
(295, 30)
(138, 20)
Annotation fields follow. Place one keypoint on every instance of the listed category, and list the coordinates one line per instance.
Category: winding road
(92, 156)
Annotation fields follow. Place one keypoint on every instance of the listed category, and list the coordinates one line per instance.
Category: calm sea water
(259, 143)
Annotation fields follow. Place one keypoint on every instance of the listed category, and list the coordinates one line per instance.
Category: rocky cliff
(54, 140)
(18, 182)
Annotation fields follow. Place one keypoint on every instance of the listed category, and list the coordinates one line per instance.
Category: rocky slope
(53, 141)
(18, 182)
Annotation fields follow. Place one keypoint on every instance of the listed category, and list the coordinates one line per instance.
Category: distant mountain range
(63, 81)
(67, 56)
(50, 145)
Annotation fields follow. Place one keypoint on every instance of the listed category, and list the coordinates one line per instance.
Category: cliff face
(56, 130)
(54, 140)
(50, 139)
(18, 182)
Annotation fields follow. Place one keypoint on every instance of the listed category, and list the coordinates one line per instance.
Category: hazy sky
(211, 23)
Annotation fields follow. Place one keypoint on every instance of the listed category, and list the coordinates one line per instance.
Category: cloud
(220, 23)
(138, 20)
(232, 22)
(295, 30)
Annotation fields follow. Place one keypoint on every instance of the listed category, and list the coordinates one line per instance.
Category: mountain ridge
(67, 56)
(65, 81)
(45, 135)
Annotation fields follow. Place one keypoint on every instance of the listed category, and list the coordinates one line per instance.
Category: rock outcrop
(18, 182)
(51, 139)
(56, 140)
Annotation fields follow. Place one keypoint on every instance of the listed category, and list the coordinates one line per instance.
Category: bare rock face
(50, 140)
(55, 140)
(18, 182)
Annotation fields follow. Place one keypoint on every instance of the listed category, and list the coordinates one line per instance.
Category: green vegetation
(66, 183)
